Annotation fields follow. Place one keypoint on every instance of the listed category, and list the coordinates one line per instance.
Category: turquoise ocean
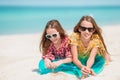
(29, 19)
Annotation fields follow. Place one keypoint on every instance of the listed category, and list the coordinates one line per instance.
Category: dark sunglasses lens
(82, 28)
(48, 36)
(54, 35)
(90, 29)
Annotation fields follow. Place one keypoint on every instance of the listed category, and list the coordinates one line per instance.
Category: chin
(55, 42)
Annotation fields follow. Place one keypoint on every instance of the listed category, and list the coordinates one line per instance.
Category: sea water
(29, 19)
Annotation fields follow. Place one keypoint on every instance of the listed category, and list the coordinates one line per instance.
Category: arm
(75, 56)
(107, 58)
(66, 60)
(62, 61)
(48, 63)
(47, 59)
(91, 58)
(77, 62)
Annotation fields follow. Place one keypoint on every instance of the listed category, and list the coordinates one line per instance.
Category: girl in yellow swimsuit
(88, 48)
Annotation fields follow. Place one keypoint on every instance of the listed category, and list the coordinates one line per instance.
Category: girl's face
(86, 29)
(53, 35)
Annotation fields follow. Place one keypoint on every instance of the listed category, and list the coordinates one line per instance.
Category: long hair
(45, 43)
(98, 30)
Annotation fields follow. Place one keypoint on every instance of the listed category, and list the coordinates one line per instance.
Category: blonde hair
(98, 30)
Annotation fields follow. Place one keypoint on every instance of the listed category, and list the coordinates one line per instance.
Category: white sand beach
(19, 57)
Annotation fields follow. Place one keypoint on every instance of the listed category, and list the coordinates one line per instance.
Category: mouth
(86, 35)
(54, 41)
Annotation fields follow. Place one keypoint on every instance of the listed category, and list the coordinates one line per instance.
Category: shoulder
(96, 40)
(95, 36)
(74, 35)
(74, 38)
(65, 40)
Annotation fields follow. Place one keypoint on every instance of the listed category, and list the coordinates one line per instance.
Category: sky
(60, 2)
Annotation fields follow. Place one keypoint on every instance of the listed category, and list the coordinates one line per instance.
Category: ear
(79, 30)
(94, 30)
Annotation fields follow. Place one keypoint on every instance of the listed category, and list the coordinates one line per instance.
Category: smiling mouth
(86, 35)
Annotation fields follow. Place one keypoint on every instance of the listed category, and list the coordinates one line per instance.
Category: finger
(92, 73)
(85, 70)
(85, 73)
(47, 66)
(50, 65)
(54, 65)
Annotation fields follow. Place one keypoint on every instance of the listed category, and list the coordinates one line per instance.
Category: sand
(19, 57)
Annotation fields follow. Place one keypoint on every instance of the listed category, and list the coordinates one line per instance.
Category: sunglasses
(84, 29)
(54, 35)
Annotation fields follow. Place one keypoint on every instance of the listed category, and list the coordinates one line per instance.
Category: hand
(85, 70)
(48, 63)
(56, 63)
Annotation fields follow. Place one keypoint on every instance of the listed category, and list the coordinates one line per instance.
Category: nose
(87, 31)
(52, 38)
